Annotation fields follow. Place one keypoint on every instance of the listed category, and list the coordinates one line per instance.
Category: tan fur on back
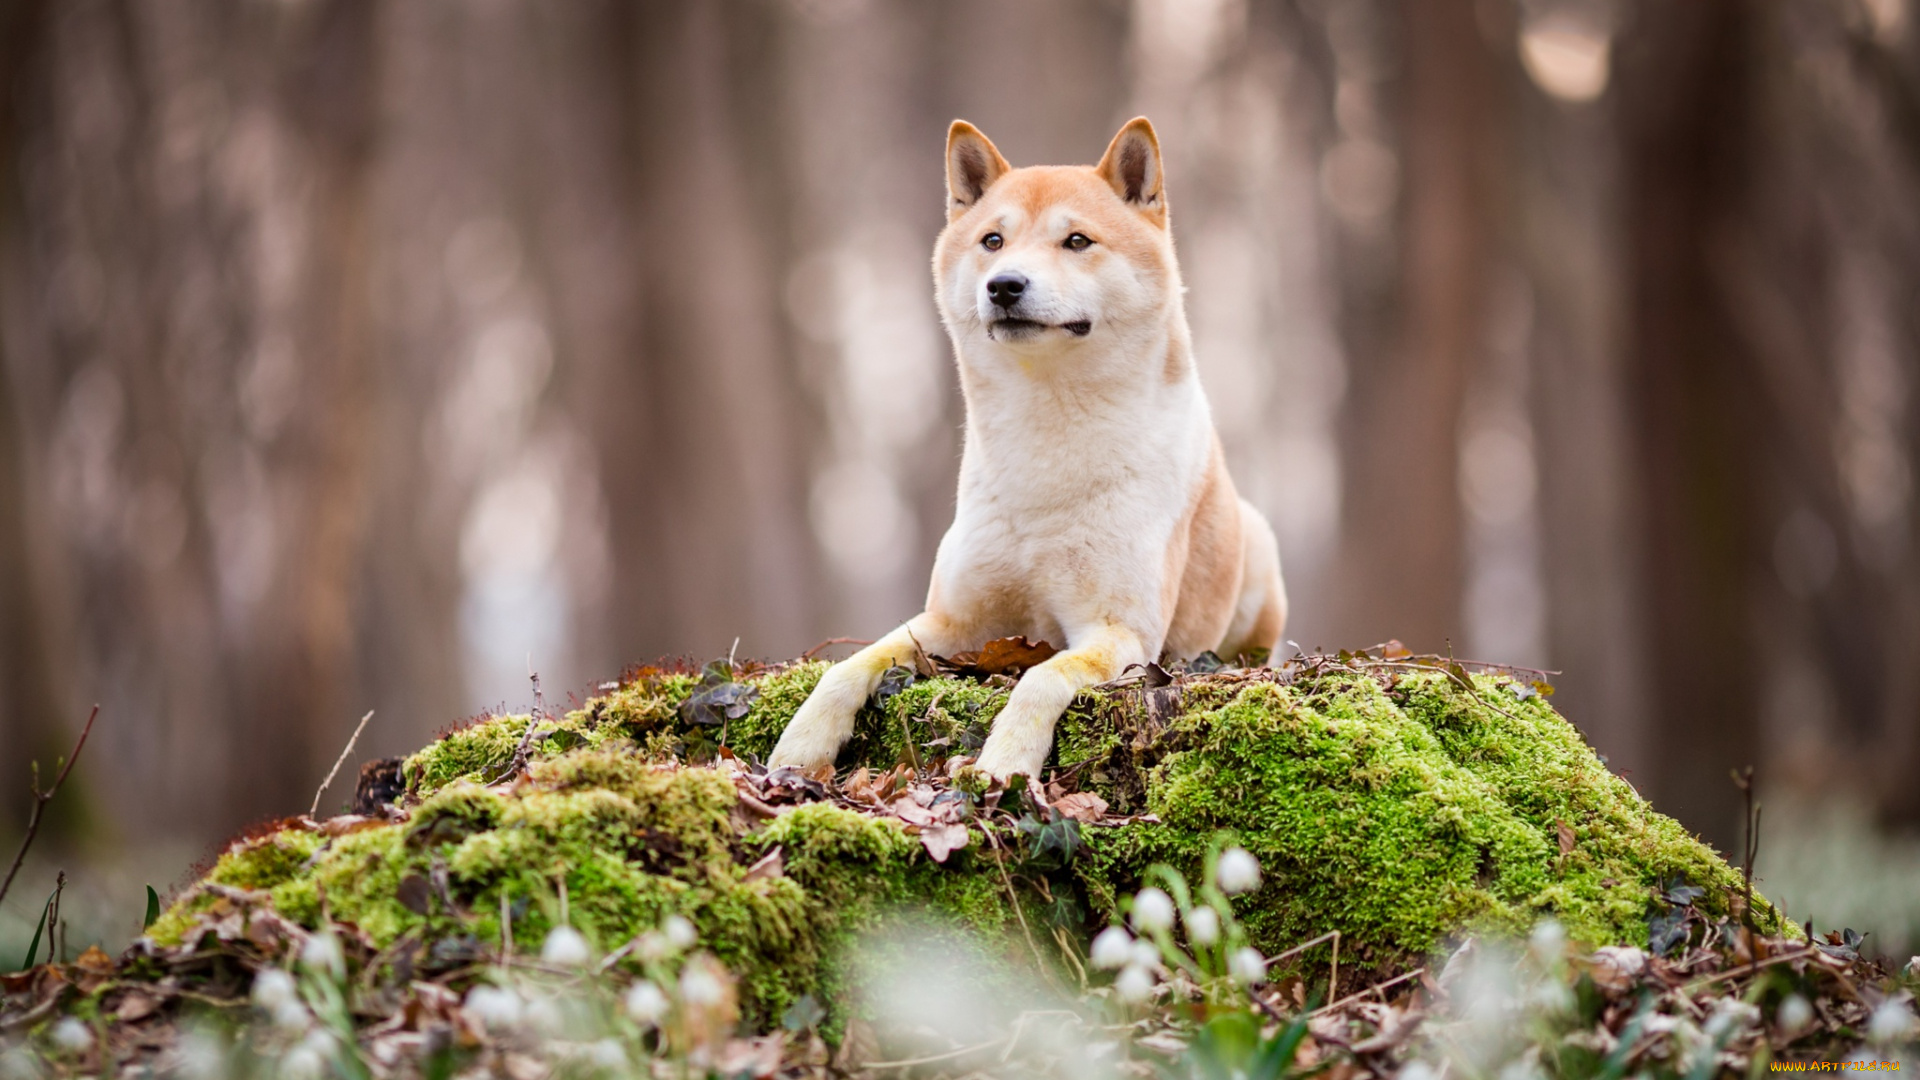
(1094, 508)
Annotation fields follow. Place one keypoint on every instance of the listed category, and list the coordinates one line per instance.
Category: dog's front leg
(1023, 732)
(825, 720)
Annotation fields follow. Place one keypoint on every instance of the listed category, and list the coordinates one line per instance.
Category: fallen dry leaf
(1083, 806)
(1615, 969)
(943, 840)
(1001, 656)
(770, 865)
(1565, 833)
(136, 1006)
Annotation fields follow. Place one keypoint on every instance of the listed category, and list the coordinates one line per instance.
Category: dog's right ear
(973, 164)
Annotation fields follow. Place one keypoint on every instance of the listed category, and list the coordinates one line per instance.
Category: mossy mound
(1397, 803)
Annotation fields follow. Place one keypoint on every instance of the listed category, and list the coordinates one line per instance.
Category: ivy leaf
(803, 1014)
(1666, 931)
(892, 681)
(717, 704)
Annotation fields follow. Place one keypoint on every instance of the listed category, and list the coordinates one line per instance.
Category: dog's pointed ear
(973, 164)
(1132, 166)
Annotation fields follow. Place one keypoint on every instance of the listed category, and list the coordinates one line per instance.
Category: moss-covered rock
(1398, 805)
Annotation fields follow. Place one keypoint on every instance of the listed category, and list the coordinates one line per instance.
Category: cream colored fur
(1095, 511)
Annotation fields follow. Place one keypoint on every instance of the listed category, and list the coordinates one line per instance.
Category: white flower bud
(497, 1008)
(1892, 1022)
(303, 1062)
(1152, 911)
(71, 1034)
(680, 933)
(1145, 954)
(1795, 1014)
(566, 947)
(545, 1016)
(321, 955)
(1134, 984)
(699, 988)
(646, 1004)
(1111, 948)
(291, 1015)
(1247, 965)
(273, 988)
(1203, 926)
(606, 1056)
(1548, 941)
(1237, 871)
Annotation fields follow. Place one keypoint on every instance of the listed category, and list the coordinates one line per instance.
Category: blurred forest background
(361, 355)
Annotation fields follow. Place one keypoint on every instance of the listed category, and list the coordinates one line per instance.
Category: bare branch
(42, 798)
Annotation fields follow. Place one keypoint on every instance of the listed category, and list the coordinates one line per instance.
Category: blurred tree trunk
(1565, 217)
(294, 683)
(31, 708)
(698, 435)
(1686, 92)
(1402, 556)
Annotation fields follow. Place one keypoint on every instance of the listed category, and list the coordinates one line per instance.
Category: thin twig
(809, 654)
(1375, 988)
(1734, 973)
(314, 812)
(42, 798)
(1014, 898)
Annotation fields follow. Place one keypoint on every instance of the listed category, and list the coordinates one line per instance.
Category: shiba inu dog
(1095, 510)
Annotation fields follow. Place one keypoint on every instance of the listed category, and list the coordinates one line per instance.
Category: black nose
(1005, 290)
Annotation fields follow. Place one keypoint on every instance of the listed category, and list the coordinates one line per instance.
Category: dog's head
(1051, 257)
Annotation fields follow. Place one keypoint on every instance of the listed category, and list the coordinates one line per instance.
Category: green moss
(1398, 810)
(1397, 815)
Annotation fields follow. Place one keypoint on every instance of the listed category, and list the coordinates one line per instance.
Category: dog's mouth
(1011, 329)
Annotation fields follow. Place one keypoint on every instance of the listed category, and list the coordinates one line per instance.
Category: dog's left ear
(1132, 166)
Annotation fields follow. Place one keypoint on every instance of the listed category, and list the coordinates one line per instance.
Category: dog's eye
(991, 241)
(1078, 242)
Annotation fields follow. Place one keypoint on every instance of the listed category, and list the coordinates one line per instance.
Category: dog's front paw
(1004, 756)
(817, 731)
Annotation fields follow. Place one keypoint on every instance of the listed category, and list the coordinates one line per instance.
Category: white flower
(273, 988)
(291, 1015)
(71, 1034)
(1134, 984)
(1203, 926)
(1730, 1015)
(545, 1016)
(654, 947)
(1795, 1014)
(1237, 871)
(1892, 1022)
(1549, 941)
(566, 947)
(646, 1004)
(1552, 996)
(1152, 911)
(1111, 948)
(303, 1062)
(1144, 954)
(321, 955)
(1419, 1070)
(1913, 967)
(19, 1064)
(680, 932)
(700, 988)
(308, 1061)
(203, 1056)
(606, 1056)
(497, 1008)
(1247, 965)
